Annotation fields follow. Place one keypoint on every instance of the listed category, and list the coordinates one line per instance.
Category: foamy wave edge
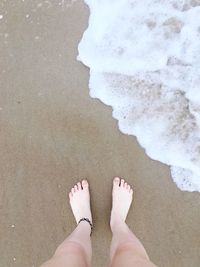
(153, 87)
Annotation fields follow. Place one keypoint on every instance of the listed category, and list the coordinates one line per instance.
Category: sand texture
(52, 134)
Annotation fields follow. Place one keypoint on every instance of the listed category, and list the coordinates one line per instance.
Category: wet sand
(52, 134)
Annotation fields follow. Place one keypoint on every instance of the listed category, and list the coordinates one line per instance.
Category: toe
(70, 195)
(125, 185)
(131, 191)
(76, 188)
(122, 183)
(73, 190)
(116, 181)
(79, 186)
(128, 187)
(84, 183)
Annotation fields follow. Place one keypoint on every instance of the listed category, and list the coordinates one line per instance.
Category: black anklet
(87, 220)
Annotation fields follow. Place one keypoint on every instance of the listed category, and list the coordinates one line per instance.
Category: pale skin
(126, 250)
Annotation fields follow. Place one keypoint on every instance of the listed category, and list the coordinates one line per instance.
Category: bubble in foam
(145, 63)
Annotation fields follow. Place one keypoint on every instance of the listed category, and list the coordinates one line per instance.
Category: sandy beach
(52, 134)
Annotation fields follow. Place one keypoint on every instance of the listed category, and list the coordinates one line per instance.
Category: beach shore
(52, 134)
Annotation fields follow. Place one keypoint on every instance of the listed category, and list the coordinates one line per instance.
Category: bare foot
(122, 196)
(80, 201)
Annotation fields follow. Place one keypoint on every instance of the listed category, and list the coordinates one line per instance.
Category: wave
(144, 60)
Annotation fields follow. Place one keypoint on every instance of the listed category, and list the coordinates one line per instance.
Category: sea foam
(144, 60)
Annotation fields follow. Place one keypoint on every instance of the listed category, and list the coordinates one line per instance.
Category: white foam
(144, 60)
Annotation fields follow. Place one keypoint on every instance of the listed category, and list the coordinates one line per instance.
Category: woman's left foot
(80, 201)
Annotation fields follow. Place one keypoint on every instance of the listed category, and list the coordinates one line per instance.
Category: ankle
(82, 228)
(116, 223)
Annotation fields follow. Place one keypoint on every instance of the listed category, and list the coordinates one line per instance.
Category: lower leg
(76, 250)
(123, 236)
(126, 249)
(79, 240)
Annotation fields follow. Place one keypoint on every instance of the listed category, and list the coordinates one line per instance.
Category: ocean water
(144, 60)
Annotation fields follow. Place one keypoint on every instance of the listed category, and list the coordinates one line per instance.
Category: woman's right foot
(122, 196)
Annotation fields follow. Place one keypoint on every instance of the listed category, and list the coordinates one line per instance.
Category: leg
(76, 250)
(126, 249)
